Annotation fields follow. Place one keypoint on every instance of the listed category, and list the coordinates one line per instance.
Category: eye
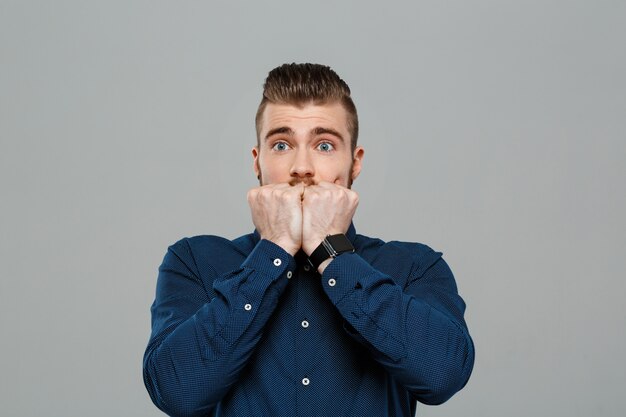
(325, 147)
(280, 146)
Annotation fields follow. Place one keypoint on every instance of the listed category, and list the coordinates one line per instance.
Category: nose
(302, 166)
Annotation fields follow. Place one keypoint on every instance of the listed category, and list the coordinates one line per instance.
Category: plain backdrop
(495, 131)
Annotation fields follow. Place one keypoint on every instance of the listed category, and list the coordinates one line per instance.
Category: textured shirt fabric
(242, 328)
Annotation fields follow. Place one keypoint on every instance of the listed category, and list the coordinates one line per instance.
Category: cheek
(273, 171)
(331, 173)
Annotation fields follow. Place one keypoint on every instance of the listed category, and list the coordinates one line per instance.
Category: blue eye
(325, 147)
(280, 146)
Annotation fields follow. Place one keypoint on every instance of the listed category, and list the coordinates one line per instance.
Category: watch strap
(331, 247)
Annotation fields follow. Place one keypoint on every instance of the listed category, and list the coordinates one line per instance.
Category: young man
(305, 317)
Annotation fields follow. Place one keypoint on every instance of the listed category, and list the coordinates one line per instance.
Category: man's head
(307, 128)
(301, 84)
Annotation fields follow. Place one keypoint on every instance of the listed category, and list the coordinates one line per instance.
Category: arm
(202, 339)
(416, 332)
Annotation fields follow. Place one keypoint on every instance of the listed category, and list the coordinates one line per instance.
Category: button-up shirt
(242, 328)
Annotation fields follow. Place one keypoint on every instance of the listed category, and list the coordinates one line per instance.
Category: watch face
(340, 243)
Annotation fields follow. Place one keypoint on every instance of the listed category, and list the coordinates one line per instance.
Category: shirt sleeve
(416, 331)
(200, 343)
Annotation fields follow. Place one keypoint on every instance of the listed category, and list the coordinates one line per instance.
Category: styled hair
(301, 84)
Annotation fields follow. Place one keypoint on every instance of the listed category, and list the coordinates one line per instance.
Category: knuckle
(251, 195)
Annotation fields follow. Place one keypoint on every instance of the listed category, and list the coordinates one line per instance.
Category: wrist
(288, 246)
(311, 244)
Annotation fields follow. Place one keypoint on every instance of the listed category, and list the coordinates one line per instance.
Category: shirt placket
(307, 329)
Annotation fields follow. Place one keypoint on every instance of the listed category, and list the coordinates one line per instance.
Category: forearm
(421, 341)
(193, 360)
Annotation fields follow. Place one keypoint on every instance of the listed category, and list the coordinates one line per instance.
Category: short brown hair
(299, 84)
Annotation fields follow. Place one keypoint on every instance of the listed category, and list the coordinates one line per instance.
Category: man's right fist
(277, 214)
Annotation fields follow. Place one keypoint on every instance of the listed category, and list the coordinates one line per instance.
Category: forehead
(309, 116)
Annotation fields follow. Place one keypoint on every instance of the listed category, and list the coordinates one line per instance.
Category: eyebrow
(285, 130)
(278, 131)
(328, 131)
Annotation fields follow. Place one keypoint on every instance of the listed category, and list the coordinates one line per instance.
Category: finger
(294, 192)
(330, 185)
(301, 190)
(254, 192)
(312, 189)
(279, 186)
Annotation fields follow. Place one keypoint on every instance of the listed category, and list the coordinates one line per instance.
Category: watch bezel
(338, 244)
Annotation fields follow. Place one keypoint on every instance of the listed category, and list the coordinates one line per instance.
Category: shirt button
(248, 307)
(305, 381)
(277, 262)
(332, 282)
(289, 274)
(305, 324)
(306, 268)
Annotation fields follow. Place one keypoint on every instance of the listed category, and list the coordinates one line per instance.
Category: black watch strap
(331, 246)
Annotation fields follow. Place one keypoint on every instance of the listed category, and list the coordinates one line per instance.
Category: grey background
(494, 131)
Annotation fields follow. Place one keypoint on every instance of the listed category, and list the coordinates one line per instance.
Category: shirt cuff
(270, 260)
(344, 275)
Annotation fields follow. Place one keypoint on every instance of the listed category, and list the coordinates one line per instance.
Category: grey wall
(494, 131)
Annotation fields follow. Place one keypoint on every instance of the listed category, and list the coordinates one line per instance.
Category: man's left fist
(327, 209)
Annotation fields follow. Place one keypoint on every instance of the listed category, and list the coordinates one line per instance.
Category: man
(305, 317)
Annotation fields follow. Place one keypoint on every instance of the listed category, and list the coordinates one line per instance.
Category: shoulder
(409, 259)
(210, 255)
(202, 243)
(376, 246)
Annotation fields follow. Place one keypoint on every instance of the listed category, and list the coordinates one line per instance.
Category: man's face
(308, 144)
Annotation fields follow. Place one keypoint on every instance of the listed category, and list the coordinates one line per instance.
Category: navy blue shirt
(242, 328)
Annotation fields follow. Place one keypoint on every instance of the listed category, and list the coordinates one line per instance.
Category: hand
(277, 214)
(327, 209)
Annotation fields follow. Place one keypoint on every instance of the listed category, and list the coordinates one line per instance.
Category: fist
(277, 214)
(327, 209)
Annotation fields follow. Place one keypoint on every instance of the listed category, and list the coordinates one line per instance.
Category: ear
(357, 159)
(255, 164)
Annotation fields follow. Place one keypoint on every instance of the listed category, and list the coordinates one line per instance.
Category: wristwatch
(331, 247)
